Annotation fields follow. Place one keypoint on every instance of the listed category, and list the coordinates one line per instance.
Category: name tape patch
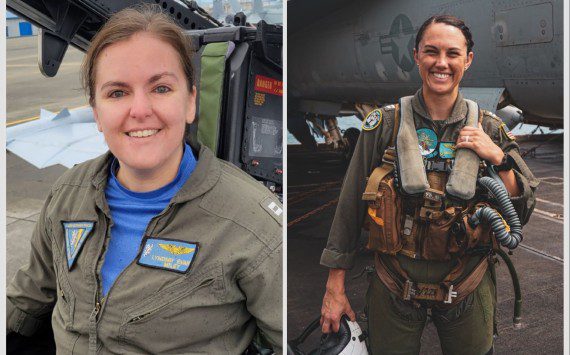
(447, 150)
(168, 254)
(76, 234)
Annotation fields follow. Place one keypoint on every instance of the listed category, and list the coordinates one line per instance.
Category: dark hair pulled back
(448, 20)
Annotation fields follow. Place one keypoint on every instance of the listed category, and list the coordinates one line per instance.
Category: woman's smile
(442, 59)
(142, 133)
(441, 76)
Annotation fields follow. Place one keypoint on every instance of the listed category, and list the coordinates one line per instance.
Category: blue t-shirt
(131, 213)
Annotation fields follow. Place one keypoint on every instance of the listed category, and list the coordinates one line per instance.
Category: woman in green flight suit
(443, 52)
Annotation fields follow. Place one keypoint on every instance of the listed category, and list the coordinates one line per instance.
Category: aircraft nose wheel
(351, 136)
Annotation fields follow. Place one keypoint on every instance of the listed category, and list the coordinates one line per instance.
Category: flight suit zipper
(94, 317)
(62, 294)
(100, 302)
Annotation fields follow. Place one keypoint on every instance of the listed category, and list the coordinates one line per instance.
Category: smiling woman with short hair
(157, 246)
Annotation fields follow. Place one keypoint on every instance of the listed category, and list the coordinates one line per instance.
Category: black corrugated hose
(509, 239)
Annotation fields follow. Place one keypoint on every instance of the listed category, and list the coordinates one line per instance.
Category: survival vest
(418, 207)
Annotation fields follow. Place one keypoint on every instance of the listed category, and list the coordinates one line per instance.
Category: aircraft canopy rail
(76, 21)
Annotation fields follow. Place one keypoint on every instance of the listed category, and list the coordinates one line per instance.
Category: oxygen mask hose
(506, 238)
(508, 235)
(516, 286)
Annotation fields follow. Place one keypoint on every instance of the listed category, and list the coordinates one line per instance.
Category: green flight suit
(232, 288)
(349, 217)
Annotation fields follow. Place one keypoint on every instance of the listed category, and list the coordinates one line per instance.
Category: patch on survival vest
(168, 254)
(372, 120)
(427, 139)
(273, 208)
(76, 234)
(447, 150)
(506, 132)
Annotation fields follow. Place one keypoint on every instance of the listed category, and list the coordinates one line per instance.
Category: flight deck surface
(314, 183)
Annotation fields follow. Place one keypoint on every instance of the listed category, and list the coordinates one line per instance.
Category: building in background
(16, 27)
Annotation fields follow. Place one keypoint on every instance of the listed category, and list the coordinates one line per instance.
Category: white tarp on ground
(67, 138)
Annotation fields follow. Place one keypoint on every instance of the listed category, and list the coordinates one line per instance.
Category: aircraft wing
(67, 138)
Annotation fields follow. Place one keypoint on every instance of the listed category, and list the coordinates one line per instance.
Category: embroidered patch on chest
(372, 120)
(76, 234)
(447, 150)
(427, 139)
(168, 254)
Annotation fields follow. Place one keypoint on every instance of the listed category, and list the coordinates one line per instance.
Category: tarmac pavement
(27, 90)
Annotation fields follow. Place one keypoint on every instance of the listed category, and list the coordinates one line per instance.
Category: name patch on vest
(427, 139)
(372, 120)
(447, 150)
(76, 234)
(168, 254)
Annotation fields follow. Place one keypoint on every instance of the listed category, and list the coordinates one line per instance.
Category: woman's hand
(335, 302)
(478, 141)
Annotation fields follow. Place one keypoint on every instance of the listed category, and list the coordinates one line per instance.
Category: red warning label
(268, 85)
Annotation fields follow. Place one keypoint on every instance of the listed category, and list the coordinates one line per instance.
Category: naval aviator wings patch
(168, 254)
(372, 120)
(76, 234)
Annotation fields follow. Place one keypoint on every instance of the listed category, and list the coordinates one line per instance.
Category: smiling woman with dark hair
(414, 177)
(157, 246)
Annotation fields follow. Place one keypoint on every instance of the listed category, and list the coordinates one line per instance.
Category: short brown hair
(124, 24)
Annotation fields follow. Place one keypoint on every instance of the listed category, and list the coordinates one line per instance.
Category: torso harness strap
(393, 232)
(448, 291)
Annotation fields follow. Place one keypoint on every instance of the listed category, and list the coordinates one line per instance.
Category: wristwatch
(506, 164)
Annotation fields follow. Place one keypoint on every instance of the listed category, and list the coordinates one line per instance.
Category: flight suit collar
(206, 174)
(458, 113)
(204, 177)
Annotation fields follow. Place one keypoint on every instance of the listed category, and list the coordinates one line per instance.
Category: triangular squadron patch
(76, 234)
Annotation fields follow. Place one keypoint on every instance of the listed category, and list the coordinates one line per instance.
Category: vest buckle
(433, 200)
(450, 295)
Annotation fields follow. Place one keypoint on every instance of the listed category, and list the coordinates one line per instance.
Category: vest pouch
(480, 235)
(385, 219)
(436, 239)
